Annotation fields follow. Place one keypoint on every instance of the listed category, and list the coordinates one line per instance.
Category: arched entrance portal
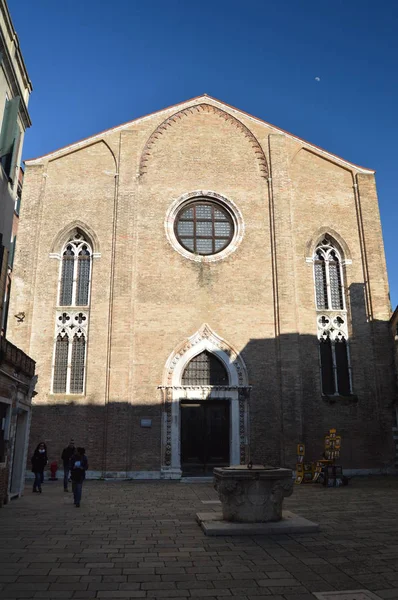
(205, 424)
(205, 407)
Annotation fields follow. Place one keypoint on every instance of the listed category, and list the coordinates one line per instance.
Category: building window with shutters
(10, 137)
(332, 318)
(70, 347)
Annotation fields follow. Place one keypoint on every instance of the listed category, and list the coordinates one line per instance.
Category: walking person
(78, 468)
(39, 461)
(66, 456)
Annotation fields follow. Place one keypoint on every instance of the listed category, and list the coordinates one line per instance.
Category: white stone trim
(332, 324)
(59, 256)
(229, 205)
(204, 339)
(177, 107)
(346, 261)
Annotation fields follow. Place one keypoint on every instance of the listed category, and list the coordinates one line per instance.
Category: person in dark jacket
(78, 468)
(39, 461)
(66, 455)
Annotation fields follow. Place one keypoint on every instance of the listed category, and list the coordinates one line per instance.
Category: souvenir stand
(325, 470)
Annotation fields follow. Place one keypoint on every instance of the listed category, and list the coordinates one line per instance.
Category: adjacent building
(394, 331)
(204, 289)
(17, 370)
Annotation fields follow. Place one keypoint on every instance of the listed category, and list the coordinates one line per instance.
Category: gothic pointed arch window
(332, 319)
(328, 276)
(75, 273)
(205, 369)
(72, 317)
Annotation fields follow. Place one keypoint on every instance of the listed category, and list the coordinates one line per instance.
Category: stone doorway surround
(237, 393)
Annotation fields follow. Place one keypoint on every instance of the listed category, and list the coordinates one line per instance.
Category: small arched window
(328, 277)
(75, 272)
(205, 369)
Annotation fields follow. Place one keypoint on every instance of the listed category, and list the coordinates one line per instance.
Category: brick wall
(147, 298)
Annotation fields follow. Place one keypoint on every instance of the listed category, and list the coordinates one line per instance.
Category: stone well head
(252, 493)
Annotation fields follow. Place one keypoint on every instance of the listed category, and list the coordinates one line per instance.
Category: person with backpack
(78, 468)
(39, 461)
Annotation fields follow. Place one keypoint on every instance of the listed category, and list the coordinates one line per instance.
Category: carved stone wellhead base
(252, 495)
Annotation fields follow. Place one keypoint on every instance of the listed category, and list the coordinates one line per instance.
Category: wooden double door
(205, 435)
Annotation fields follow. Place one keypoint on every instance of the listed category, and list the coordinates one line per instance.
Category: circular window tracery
(204, 227)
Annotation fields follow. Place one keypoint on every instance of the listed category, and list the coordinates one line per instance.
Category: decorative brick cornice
(210, 109)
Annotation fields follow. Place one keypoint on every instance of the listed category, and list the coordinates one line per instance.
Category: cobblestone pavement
(140, 540)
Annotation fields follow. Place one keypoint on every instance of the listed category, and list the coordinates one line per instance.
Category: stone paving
(140, 540)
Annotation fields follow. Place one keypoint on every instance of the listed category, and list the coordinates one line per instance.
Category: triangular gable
(175, 107)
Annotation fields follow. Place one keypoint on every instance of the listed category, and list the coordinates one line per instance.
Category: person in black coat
(39, 461)
(78, 468)
(66, 456)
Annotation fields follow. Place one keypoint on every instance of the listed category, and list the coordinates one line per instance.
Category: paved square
(355, 595)
(141, 540)
(212, 523)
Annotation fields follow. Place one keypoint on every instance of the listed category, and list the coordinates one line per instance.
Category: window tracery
(204, 227)
(70, 352)
(332, 318)
(69, 362)
(205, 369)
(75, 272)
(328, 277)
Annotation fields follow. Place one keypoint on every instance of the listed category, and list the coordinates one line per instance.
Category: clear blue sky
(95, 64)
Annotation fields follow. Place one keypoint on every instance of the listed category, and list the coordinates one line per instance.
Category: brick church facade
(202, 288)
